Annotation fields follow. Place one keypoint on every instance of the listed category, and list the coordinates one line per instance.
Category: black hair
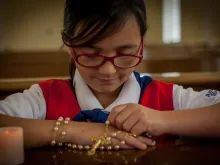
(89, 21)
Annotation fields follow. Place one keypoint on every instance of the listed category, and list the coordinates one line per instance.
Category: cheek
(84, 72)
(126, 72)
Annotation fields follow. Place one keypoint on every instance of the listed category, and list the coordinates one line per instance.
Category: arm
(195, 114)
(197, 122)
(200, 122)
(28, 110)
(37, 133)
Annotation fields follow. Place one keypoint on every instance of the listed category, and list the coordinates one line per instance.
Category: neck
(106, 99)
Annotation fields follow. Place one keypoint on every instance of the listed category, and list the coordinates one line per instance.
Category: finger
(139, 128)
(115, 111)
(131, 141)
(147, 141)
(115, 142)
(122, 117)
(131, 121)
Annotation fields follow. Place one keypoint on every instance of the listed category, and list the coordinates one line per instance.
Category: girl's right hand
(82, 133)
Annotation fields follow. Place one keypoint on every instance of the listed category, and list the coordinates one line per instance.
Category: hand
(136, 119)
(83, 132)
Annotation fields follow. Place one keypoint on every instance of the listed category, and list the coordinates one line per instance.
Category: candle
(11, 146)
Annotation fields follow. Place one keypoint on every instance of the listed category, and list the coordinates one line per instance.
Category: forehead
(128, 34)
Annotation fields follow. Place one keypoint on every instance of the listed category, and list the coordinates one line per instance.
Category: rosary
(104, 139)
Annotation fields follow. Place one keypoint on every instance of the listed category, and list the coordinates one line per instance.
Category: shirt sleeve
(190, 99)
(29, 104)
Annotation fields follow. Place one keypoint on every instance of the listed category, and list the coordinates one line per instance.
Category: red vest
(61, 101)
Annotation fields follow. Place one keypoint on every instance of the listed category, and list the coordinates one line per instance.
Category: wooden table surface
(197, 78)
(176, 152)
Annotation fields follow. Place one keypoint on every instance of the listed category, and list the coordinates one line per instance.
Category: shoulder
(190, 99)
(55, 86)
(28, 104)
(53, 82)
(143, 79)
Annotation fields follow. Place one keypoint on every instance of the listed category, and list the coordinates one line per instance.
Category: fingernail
(153, 143)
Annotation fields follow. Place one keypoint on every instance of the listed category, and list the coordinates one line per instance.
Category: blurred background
(182, 44)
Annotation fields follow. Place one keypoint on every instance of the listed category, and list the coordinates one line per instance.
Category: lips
(107, 81)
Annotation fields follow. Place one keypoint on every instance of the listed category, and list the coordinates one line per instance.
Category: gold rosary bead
(87, 147)
(66, 122)
(107, 122)
(74, 146)
(116, 147)
(108, 138)
(69, 145)
(55, 128)
(53, 142)
(80, 147)
(109, 148)
(60, 119)
(60, 144)
(101, 147)
(114, 134)
(63, 133)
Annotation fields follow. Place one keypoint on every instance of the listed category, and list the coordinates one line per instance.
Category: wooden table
(178, 152)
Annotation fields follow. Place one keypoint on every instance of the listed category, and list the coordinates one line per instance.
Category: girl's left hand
(136, 119)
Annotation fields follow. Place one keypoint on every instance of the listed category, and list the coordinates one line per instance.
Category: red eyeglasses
(122, 61)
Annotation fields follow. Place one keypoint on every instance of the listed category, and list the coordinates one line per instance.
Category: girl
(105, 41)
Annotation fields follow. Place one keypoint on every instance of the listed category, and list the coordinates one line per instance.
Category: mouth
(107, 81)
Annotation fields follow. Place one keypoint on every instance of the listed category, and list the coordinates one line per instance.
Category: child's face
(109, 78)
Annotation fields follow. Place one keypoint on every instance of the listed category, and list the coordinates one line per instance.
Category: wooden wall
(34, 64)
(17, 68)
(30, 39)
(157, 59)
(200, 21)
(36, 25)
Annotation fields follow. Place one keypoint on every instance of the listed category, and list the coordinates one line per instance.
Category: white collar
(130, 93)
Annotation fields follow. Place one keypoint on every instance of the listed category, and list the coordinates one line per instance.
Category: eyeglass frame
(111, 59)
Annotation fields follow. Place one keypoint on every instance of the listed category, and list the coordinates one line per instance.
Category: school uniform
(73, 98)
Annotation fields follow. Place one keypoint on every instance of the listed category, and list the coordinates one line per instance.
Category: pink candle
(11, 146)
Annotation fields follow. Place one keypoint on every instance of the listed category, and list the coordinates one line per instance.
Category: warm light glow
(6, 132)
(171, 74)
(171, 21)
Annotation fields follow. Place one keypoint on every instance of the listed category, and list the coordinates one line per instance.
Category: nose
(107, 69)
